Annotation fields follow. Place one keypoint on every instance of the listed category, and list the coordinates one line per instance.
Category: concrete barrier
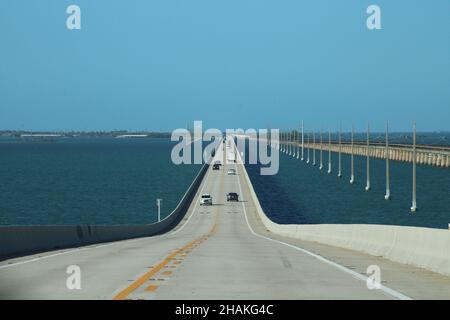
(421, 247)
(21, 240)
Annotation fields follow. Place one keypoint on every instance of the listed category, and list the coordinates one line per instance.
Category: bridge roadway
(216, 252)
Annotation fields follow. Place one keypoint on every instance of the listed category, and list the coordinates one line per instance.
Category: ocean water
(89, 181)
(302, 194)
(117, 181)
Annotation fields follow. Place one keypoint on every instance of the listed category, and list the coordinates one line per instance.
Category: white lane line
(195, 207)
(196, 199)
(358, 276)
(57, 254)
(174, 232)
(109, 243)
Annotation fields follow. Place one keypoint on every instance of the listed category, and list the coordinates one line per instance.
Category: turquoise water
(301, 193)
(89, 180)
(117, 181)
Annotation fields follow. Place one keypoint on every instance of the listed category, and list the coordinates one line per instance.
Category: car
(232, 196)
(206, 199)
(218, 162)
(216, 166)
(231, 172)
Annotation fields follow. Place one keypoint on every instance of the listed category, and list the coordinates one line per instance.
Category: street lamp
(158, 204)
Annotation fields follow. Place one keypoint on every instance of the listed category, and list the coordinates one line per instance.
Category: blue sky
(147, 64)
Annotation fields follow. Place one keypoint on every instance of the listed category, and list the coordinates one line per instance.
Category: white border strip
(356, 275)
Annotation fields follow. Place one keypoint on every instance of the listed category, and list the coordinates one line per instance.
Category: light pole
(340, 152)
(303, 140)
(289, 143)
(352, 169)
(321, 151)
(295, 143)
(368, 159)
(387, 196)
(329, 151)
(314, 148)
(414, 159)
(158, 204)
(309, 147)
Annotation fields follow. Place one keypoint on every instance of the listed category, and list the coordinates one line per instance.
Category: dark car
(232, 196)
(216, 166)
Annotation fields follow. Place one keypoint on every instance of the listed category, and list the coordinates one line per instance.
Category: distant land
(115, 133)
(437, 138)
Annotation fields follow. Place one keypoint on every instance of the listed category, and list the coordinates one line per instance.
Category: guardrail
(22, 240)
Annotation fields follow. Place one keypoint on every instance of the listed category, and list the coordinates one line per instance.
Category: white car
(206, 199)
(231, 172)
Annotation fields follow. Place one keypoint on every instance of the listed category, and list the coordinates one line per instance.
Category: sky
(157, 64)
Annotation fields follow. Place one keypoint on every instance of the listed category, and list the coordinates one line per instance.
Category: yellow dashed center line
(182, 252)
(151, 288)
(154, 270)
